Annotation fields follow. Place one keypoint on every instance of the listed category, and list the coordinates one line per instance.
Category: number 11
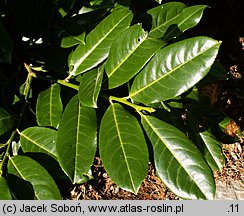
(234, 208)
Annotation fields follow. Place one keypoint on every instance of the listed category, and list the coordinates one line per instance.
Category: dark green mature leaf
(172, 13)
(123, 148)
(187, 19)
(39, 139)
(210, 147)
(6, 121)
(174, 70)
(179, 163)
(99, 40)
(77, 139)
(49, 107)
(28, 169)
(72, 40)
(6, 45)
(190, 17)
(164, 16)
(128, 54)
(90, 85)
(213, 151)
(5, 193)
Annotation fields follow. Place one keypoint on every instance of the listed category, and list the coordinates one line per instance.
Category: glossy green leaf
(128, 54)
(190, 17)
(210, 147)
(187, 19)
(5, 193)
(39, 139)
(98, 41)
(174, 70)
(49, 107)
(179, 163)
(122, 148)
(28, 169)
(164, 16)
(90, 85)
(77, 139)
(72, 40)
(212, 151)
(6, 121)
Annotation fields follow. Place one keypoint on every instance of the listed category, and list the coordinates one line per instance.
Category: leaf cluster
(102, 79)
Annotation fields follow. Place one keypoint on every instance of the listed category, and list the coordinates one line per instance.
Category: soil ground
(230, 182)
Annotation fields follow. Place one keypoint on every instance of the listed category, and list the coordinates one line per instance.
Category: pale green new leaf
(212, 151)
(179, 163)
(5, 193)
(128, 54)
(77, 140)
(49, 107)
(99, 40)
(28, 169)
(89, 88)
(164, 16)
(174, 69)
(123, 148)
(39, 139)
(72, 40)
(6, 121)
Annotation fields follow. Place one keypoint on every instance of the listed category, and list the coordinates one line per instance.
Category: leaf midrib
(209, 149)
(6, 117)
(34, 142)
(165, 23)
(192, 14)
(168, 73)
(158, 135)
(129, 54)
(23, 177)
(95, 45)
(77, 141)
(122, 146)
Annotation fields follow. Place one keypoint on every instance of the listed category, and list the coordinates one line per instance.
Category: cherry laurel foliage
(126, 84)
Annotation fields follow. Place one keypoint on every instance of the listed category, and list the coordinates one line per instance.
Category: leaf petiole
(65, 83)
(138, 108)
